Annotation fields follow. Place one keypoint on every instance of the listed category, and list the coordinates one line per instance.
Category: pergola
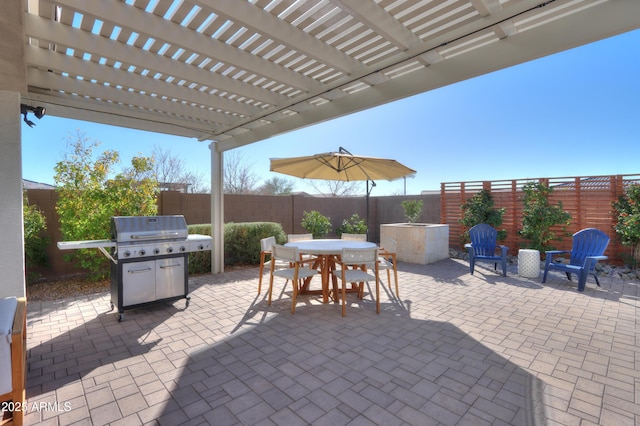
(234, 72)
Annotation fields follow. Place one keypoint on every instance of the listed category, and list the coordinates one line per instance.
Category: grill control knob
(200, 247)
(127, 253)
(156, 251)
(183, 248)
(142, 252)
(169, 249)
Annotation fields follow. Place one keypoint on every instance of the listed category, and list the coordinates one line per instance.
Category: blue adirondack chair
(484, 247)
(588, 248)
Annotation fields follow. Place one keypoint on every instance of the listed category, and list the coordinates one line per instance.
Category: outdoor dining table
(326, 251)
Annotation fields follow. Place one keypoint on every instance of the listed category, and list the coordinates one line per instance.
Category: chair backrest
(483, 239)
(289, 254)
(267, 243)
(299, 237)
(360, 256)
(588, 242)
(354, 237)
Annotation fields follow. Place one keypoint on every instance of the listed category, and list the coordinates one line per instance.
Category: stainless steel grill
(149, 259)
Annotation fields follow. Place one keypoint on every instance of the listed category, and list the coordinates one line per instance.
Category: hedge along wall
(286, 210)
(587, 198)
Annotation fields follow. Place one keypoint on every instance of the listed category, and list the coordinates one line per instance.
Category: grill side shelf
(74, 245)
(87, 244)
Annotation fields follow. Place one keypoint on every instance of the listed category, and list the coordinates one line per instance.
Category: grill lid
(138, 229)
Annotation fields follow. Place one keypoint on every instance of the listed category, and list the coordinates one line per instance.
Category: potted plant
(538, 218)
(420, 243)
(353, 225)
(316, 224)
(412, 209)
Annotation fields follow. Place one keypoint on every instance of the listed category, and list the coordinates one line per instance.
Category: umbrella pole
(367, 202)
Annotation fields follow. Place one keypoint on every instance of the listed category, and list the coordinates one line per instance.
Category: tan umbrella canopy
(341, 165)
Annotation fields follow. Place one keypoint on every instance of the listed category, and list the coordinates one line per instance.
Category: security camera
(39, 112)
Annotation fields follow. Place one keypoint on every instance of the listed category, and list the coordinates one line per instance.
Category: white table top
(328, 246)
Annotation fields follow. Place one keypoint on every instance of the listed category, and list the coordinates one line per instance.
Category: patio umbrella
(342, 165)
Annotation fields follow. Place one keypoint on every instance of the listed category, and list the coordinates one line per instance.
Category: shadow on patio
(455, 349)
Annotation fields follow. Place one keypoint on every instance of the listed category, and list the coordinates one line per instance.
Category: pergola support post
(217, 209)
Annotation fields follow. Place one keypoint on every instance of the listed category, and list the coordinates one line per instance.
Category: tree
(171, 172)
(90, 192)
(35, 239)
(479, 209)
(316, 223)
(336, 188)
(628, 221)
(239, 177)
(539, 216)
(277, 186)
(353, 225)
(412, 209)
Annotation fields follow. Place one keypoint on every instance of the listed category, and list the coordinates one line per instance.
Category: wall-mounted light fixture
(39, 112)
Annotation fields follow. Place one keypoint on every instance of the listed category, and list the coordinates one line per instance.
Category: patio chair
(13, 356)
(299, 237)
(292, 238)
(266, 258)
(587, 249)
(387, 260)
(297, 271)
(359, 260)
(354, 237)
(485, 248)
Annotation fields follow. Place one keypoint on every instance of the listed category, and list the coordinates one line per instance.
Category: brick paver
(455, 349)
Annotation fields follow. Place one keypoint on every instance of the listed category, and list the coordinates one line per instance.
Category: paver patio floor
(453, 349)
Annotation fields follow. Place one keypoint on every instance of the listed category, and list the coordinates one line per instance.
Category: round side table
(529, 263)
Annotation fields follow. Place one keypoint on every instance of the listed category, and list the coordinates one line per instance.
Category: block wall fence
(285, 210)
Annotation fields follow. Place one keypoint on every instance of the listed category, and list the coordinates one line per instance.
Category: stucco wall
(286, 210)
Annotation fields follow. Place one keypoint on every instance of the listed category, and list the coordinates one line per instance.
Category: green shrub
(200, 261)
(412, 209)
(242, 241)
(479, 209)
(354, 225)
(628, 222)
(241, 244)
(35, 240)
(538, 216)
(315, 223)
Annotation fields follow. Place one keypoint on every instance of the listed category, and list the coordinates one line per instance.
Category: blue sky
(570, 114)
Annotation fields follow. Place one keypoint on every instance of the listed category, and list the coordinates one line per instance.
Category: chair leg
(294, 284)
(270, 286)
(395, 276)
(582, 280)
(344, 298)
(378, 292)
(261, 272)
(344, 294)
(596, 277)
